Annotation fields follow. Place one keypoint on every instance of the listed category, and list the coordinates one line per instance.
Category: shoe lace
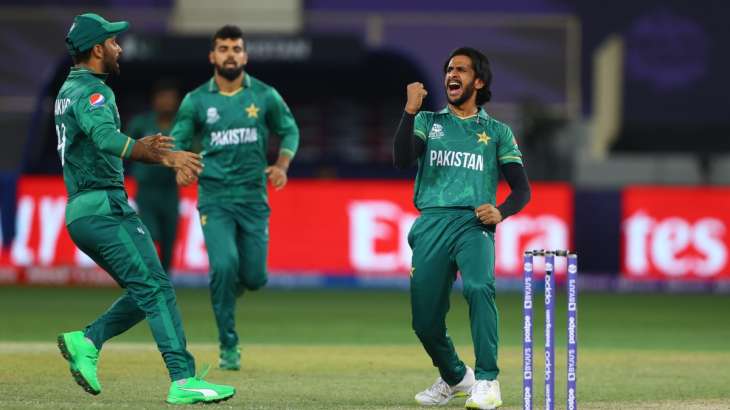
(481, 387)
(439, 389)
(204, 372)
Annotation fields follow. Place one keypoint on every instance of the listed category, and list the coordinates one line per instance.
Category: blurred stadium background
(622, 114)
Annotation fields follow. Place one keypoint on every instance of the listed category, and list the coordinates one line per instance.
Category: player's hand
(187, 165)
(183, 179)
(277, 176)
(158, 142)
(488, 214)
(415, 93)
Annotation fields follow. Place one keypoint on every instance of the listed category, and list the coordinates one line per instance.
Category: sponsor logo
(204, 392)
(437, 131)
(97, 100)
(572, 268)
(528, 267)
(212, 116)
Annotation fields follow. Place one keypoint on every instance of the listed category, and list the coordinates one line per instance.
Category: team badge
(213, 116)
(483, 138)
(97, 100)
(252, 111)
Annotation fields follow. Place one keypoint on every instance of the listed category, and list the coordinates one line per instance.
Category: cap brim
(116, 27)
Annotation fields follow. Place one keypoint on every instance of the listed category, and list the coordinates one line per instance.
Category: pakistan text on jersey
(234, 136)
(446, 158)
(59, 108)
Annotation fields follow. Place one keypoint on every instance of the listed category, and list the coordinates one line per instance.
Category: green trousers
(159, 210)
(237, 239)
(121, 245)
(444, 241)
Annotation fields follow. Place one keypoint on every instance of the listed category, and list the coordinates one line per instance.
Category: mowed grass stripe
(333, 377)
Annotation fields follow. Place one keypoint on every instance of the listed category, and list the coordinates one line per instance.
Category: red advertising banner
(676, 233)
(317, 227)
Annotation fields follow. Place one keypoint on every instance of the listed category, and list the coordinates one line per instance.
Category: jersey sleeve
(507, 149)
(281, 121)
(183, 129)
(96, 118)
(420, 125)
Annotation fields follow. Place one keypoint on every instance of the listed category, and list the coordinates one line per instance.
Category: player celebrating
(104, 226)
(459, 151)
(234, 113)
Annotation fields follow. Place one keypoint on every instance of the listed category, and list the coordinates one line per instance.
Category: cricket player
(157, 193)
(459, 151)
(103, 225)
(234, 114)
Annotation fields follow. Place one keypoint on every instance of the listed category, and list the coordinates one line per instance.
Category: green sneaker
(82, 357)
(230, 359)
(196, 390)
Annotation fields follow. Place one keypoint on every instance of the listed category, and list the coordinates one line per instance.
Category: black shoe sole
(75, 373)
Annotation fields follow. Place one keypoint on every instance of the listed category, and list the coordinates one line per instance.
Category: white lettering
(22, 252)
(234, 136)
(368, 225)
(52, 216)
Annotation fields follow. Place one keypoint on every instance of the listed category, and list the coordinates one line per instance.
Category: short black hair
(82, 56)
(482, 70)
(228, 31)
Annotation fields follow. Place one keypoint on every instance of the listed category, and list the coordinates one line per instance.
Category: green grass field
(355, 349)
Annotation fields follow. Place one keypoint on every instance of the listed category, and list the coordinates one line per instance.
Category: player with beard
(103, 225)
(232, 115)
(459, 151)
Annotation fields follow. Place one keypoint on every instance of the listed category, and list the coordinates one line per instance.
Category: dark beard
(468, 91)
(110, 66)
(229, 74)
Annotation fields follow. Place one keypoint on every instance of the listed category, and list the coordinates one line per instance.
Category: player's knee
(257, 283)
(145, 295)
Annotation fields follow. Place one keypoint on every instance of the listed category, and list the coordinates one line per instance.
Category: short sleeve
(420, 125)
(507, 150)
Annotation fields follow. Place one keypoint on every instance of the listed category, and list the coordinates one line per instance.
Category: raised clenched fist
(416, 93)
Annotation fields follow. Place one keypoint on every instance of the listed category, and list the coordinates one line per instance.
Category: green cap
(89, 30)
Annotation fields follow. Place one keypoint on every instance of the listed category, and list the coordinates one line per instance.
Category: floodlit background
(622, 112)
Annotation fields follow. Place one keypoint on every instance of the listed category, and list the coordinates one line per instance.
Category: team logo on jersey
(213, 116)
(252, 111)
(483, 137)
(97, 100)
(437, 131)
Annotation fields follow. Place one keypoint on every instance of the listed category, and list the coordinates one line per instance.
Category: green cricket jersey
(150, 175)
(90, 145)
(460, 165)
(234, 129)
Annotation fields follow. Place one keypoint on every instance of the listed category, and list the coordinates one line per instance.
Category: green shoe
(82, 356)
(196, 390)
(230, 359)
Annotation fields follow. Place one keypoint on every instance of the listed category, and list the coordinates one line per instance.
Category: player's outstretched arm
(407, 147)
